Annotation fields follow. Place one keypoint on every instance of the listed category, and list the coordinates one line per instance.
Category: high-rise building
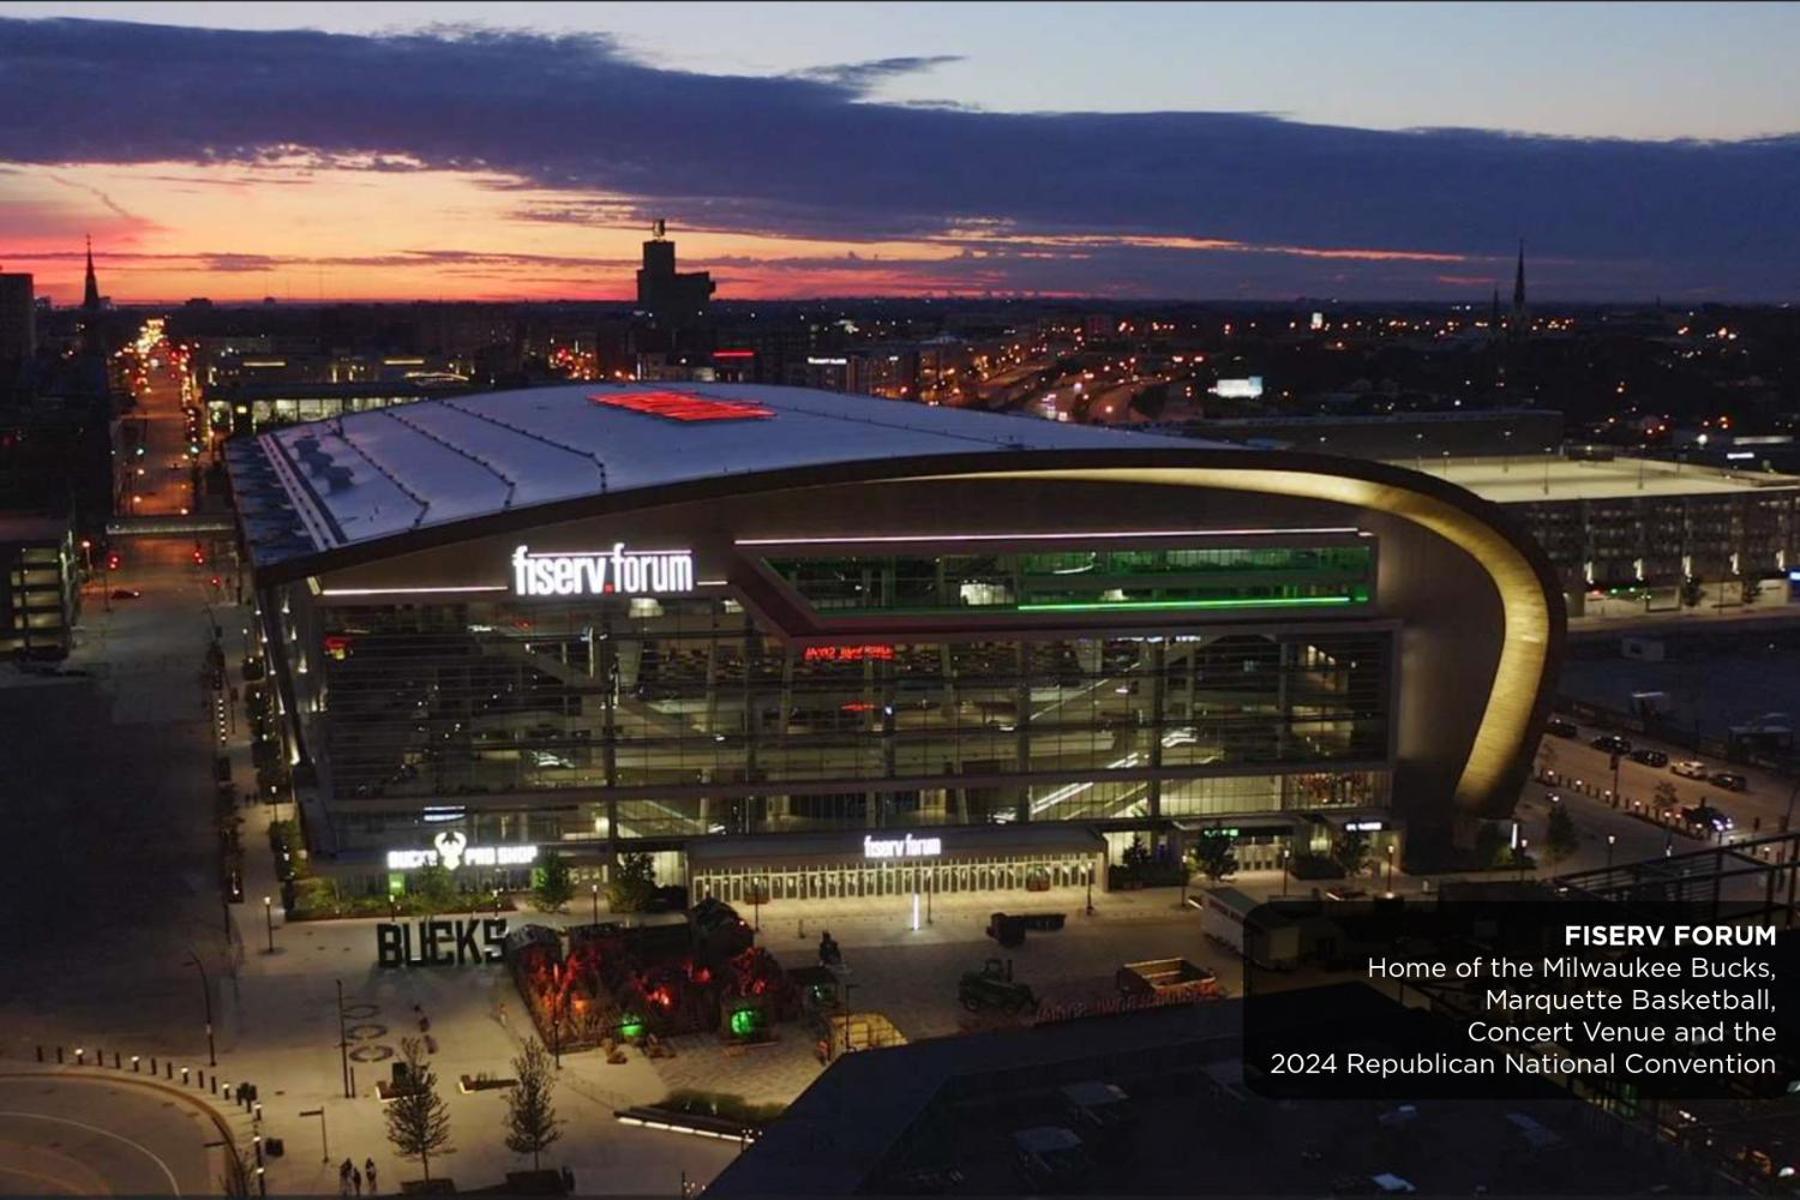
(674, 300)
(18, 319)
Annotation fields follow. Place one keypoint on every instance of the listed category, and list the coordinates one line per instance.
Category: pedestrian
(344, 1169)
(500, 1012)
(356, 1178)
(369, 1170)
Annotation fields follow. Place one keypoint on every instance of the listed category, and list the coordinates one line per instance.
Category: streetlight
(343, 1058)
(1524, 845)
(1090, 889)
(1611, 838)
(596, 890)
(212, 1057)
(269, 921)
(1390, 868)
(1285, 873)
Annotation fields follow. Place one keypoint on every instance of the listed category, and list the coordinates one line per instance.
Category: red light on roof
(682, 406)
(734, 354)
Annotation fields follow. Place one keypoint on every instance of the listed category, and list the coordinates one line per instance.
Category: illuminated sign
(683, 406)
(617, 571)
(451, 849)
(847, 653)
(1363, 826)
(440, 943)
(904, 847)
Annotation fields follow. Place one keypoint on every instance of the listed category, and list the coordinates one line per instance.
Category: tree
(1216, 856)
(531, 1121)
(418, 1120)
(632, 882)
(1691, 591)
(1666, 796)
(1751, 588)
(1351, 852)
(435, 886)
(1561, 839)
(1490, 846)
(553, 887)
(1136, 856)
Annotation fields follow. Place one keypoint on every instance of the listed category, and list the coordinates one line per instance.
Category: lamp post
(212, 1057)
(1390, 868)
(269, 923)
(343, 1053)
(1285, 873)
(1524, 846)
(595, 889)
(1611, 838)
(1090, 889)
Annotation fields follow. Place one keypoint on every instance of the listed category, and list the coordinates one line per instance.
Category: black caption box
(1399, 1000)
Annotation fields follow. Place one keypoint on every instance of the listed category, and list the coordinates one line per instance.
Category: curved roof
(349, 480)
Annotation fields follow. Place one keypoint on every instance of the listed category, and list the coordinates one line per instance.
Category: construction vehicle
(994, 987)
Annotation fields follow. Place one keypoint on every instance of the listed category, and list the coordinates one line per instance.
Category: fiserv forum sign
(614, 572)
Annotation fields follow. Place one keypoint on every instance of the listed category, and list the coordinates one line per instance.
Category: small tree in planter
(632, 884)
(1351, 852)
(1490, 846)
(531, 1121)
(418, 1121)
(435, 887)
(1216, 856)
(1562, 839)
(553, 887)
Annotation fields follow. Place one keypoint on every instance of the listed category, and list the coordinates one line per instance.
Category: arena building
(810, 645)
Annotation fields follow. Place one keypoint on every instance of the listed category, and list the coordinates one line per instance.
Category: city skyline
(464, 162)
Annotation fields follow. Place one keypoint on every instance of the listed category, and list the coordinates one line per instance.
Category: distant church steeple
(90, 296)
(1521, 323)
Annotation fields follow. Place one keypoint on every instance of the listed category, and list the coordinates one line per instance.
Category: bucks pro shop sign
(440, 943)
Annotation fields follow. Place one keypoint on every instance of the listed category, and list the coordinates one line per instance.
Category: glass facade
(679, 718)
(1085, 581)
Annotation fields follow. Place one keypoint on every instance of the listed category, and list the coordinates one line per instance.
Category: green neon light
(1102, 606)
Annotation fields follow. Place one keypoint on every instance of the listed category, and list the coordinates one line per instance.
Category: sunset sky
(1203, 151)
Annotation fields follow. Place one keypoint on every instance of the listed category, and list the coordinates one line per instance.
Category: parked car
(1705, 816)
(1612, 743)
(1731, 781)
(126, 594)
(1650, 758)
(1561, 727)
(1691, 768)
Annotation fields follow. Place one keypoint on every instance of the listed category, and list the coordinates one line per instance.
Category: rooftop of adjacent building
(1541, 478)
(876, 1117)
(364, 476)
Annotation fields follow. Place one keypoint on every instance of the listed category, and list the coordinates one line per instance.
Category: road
(1760, 809)
(69, 1136)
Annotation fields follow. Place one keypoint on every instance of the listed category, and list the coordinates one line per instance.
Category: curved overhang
(1525, 583)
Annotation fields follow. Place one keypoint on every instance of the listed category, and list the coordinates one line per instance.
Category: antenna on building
(659, 228)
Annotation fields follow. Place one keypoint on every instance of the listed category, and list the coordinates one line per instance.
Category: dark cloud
(810, 156)
(863, 77)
